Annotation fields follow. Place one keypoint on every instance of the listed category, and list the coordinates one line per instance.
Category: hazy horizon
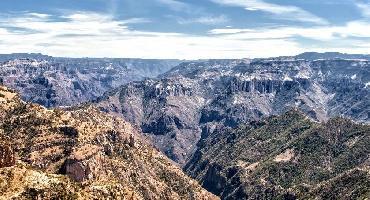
(211, 58)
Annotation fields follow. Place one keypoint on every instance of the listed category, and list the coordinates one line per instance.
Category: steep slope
(51, 81)
(187, 102)
(81, 154)
(286, 157)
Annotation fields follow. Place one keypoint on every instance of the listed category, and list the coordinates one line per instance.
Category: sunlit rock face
(188, 102)
(81, 153)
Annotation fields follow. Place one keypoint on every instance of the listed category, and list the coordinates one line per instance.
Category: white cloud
(229, 31)
(174, 5)
(98, 35)
(136, 21)
(365, 8)
(39, 15)
(284, 12)
(208, 20)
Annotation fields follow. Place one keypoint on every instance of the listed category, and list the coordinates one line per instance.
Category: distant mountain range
(331, 55)
(52, 81)
(57, 81)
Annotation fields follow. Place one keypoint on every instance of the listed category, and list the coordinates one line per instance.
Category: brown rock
(132, 141)
(84, 165)
(77, 170)
(6, 156)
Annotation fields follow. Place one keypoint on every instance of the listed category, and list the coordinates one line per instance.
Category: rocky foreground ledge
(81, 154)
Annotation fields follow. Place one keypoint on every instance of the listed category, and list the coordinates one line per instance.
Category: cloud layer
(94, 34)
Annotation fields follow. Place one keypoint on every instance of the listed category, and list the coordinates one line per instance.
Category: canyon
(293, 127)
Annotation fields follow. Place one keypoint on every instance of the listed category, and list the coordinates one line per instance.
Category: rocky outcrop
(82, 153)
(267, 86)
(85, 164)
(7, 158)
(285, 157)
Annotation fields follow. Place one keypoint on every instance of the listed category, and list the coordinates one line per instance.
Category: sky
(191, 29)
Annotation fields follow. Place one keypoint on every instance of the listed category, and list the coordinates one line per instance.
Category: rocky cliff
(285, 157)
(81, 153)
(52, 81)
(188, 102)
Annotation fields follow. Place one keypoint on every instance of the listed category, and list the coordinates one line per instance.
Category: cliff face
(285, 157)
(81, 153)
(55, 82)
(188, 102)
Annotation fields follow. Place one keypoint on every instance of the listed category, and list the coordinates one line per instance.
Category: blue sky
(184, 29)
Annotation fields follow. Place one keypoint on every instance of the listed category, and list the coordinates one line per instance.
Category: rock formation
(7, 158)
